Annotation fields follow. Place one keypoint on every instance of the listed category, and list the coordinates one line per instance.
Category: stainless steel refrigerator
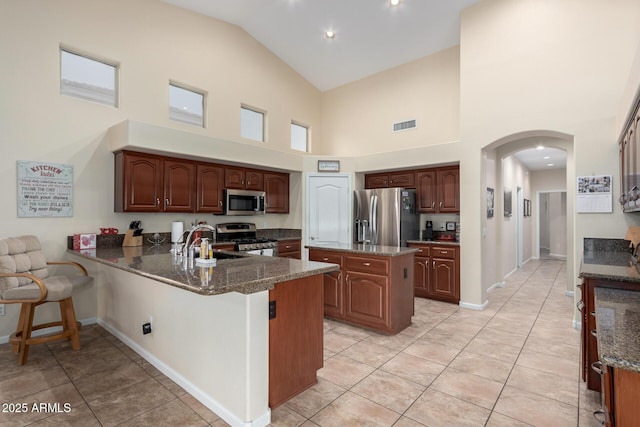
(386, 216)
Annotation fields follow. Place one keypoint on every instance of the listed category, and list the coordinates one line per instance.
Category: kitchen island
(374, 287)
(210, 325)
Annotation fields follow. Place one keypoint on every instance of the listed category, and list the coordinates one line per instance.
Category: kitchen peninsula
(228, 334)
(374, 287)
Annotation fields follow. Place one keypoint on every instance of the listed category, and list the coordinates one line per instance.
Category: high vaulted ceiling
(370, 35)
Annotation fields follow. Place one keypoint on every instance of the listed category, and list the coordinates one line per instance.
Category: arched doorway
(499, 254)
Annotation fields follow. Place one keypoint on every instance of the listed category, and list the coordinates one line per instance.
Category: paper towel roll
(176, 231)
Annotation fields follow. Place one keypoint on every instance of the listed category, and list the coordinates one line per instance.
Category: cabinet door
(367, 298)
(141, 183)
(179, 186)
(426, 191)
(421, 276)
(376, 180)
(276, 187)
(444, 279)
(333, 294)
(234, 178)
(210, 188)
(402, 179)
(449, 190)
(253, 180)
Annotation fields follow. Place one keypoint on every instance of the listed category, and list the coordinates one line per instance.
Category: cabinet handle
(433, 205)
(594, 333)
(287, 247)
(580, 305)
(346, 278)
(597, 367)
(434, 265)
(444, 252)
(339, 276)
(420, 250)
(220, 203)
(579, 286)
(596, 415)
(325, 259)
(166, 203)
(157, 201)
(440, 204)
(366, 264)
(593, 313)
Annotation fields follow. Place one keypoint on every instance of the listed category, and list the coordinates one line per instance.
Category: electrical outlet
(146, 328)
(1, 309)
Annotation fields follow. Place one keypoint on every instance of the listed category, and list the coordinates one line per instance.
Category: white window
(186, 105)
(299, 137)
(251, 123)
(88, 78)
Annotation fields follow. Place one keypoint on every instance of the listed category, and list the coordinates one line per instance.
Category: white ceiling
(370, 36)
(540, 158)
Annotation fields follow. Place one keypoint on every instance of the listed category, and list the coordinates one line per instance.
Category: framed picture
(527, 207)
(451, 226)
(489, 202)
(507, 203)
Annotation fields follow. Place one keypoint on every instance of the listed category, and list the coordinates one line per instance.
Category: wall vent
(406, 125)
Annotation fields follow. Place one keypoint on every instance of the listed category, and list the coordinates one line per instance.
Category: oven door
(263, 252)
(243, 202)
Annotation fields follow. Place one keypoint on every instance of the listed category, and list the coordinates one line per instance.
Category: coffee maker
(428, 231)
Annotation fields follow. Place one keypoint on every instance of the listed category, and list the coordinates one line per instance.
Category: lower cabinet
(437, 272)
(295, 337)
(620, 391)
(371, 291)
(289, 249)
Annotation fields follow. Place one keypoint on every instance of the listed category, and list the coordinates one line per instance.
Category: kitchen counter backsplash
(606, 245)
(279, 233)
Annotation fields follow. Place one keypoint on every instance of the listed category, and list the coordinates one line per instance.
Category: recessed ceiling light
(394, 2)
(329, 34)
(546, 157)
(550, 164)
(540, 147)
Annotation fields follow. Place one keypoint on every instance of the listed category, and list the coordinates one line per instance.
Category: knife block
(131, 240)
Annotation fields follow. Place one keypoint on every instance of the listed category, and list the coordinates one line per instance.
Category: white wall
(558, 224)
(514, 175)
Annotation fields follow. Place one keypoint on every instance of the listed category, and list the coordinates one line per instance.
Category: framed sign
(328, 165)
(44, 189)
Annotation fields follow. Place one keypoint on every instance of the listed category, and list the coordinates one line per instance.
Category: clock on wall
(328, 165)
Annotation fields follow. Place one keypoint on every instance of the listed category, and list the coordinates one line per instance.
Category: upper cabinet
(243, 179)
(148, 183)
(210, 188)
(152, 183)
(438, 190)
(629, 149)
(403, 179)
(276, 187)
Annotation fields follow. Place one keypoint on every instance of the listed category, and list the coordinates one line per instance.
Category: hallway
(515, 363)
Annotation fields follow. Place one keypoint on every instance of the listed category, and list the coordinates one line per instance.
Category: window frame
(192, 89)
(307, 136)
(95, 58)
(256, 110)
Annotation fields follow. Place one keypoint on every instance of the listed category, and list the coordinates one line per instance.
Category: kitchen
(66, 131)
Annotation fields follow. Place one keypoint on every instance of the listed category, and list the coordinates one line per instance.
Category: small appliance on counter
(428, 231)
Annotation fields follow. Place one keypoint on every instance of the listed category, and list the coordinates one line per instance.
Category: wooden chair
(25, 279)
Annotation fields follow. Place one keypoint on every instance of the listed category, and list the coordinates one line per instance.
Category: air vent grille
(406, 125)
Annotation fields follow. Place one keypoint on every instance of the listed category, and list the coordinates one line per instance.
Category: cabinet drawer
(442, 252)
(368, 265)
(423, 251)
(330, 257)
(289, 246)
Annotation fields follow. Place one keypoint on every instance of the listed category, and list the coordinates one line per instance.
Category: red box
(84, 241)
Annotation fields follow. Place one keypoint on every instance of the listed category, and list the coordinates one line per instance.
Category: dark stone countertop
(358, 248)
(608, 259)
(618, 326)
(245, 274)
(436, 242)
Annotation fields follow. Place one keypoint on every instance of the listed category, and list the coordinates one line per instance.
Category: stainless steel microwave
(244, 202)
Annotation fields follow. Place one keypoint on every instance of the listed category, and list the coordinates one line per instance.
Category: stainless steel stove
(244, 235)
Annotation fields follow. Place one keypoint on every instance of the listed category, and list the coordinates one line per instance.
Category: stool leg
(26, 332)
(69, 321)
(23, 314)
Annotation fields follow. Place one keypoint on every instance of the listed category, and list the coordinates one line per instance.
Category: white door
(329, 209)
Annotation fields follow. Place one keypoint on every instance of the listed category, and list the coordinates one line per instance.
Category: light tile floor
(514, 364)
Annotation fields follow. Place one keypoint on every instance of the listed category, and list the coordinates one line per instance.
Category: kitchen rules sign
(44, 189)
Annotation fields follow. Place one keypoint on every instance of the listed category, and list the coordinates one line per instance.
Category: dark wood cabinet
(179, 186)
(210, 188)
(152, 183)
(438, 190)
(243, 179)
(276, 187)
(290, 249)
(148, 183)
(371, 291)
(621, 389)
(629, 152)
(437, 272)
(295, 337)
(403, 179)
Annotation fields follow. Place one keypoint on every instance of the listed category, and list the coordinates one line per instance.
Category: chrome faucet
(185, 248)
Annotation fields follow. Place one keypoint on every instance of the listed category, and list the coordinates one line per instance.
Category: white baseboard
(577, 324)
(262, 421)
(510, 273)
(558, 256)
(478, 307)
(45, 331)
(569, 293)
(495, 285)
